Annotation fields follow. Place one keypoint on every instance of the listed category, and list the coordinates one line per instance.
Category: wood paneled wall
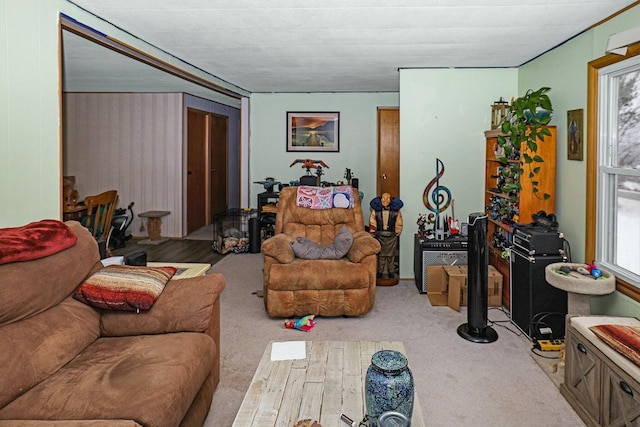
(130, 142)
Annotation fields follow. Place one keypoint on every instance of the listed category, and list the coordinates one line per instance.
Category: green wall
(564, 69)
(358, 138)
(29, 121)
(30, 139)
(443, 115)
(439, 119)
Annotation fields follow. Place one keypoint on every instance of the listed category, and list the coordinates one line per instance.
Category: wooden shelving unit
(527, 202)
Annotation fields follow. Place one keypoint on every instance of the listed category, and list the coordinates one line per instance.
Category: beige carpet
(459, 383)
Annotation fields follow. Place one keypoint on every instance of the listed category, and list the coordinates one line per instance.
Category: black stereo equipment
(312, 180)
(537, 308)
(456, 243)
(538, 240)
(450, 251)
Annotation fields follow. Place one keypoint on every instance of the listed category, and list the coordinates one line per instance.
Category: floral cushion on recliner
(325, 197)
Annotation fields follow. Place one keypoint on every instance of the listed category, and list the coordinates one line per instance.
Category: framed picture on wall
(575, 134)
(313, 132)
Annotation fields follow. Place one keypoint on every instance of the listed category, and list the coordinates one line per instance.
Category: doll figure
(385, 223)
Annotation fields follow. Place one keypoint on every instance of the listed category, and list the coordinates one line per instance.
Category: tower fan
(476, 329)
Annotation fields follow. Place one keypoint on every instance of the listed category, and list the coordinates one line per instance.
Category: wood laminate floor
(199, 251)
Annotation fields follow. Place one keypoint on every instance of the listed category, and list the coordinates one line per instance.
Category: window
(618, 189)
(613, 168)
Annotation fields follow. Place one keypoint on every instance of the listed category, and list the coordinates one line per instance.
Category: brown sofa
(63, 362)
(326, 287)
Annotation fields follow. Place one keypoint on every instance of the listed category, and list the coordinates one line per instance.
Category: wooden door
(197, 146)
(219, 131)
(388, 179)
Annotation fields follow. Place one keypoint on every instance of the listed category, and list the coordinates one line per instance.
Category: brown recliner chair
(324, 287)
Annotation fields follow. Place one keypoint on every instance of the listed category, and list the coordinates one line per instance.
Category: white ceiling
(89, 67)
(328, 45)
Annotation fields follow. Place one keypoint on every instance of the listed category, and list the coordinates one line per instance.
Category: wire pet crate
(231, 230)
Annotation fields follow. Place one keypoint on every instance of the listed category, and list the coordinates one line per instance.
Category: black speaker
(537, 308)
(355, 182)
(136, 258)
(254, 235)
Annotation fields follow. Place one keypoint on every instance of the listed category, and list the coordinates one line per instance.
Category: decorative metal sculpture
(440, 196)
(440, 201)
(308, 164)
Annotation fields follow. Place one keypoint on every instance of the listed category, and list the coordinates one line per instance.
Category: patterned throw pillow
(124, 287)
(340, 196)
(624, 339)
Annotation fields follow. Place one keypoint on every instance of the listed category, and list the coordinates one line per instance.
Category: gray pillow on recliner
(307, 249)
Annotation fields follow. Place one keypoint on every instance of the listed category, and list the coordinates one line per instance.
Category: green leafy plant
(523, 128)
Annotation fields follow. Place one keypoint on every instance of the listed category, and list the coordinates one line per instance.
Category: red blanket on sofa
(34, 240)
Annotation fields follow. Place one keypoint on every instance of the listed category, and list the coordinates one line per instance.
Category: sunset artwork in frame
(311, 131)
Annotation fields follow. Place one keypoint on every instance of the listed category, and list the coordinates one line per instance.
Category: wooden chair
(100, 210)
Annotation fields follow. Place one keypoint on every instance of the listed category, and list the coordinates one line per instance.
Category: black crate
(231, 230)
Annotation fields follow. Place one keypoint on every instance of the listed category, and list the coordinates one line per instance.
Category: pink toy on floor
(305, 323)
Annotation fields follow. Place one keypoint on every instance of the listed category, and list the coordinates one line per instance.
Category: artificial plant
(524, 126)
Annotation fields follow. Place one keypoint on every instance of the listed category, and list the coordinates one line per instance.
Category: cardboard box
(457, 291)
(437, 290)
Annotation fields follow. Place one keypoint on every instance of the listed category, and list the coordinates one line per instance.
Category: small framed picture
(313, 132)
(575, 135)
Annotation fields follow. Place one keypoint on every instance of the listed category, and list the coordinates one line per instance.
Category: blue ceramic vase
(388, 386)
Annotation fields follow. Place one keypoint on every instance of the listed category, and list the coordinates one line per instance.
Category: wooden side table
(154, 227)
(185, 269)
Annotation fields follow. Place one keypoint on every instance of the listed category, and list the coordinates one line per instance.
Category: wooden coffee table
(327, 382)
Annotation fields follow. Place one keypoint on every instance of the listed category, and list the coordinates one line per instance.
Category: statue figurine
(385, 223)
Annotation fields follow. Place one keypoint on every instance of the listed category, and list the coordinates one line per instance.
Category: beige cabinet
(621, 398)
(583, 376)
(599, 391)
